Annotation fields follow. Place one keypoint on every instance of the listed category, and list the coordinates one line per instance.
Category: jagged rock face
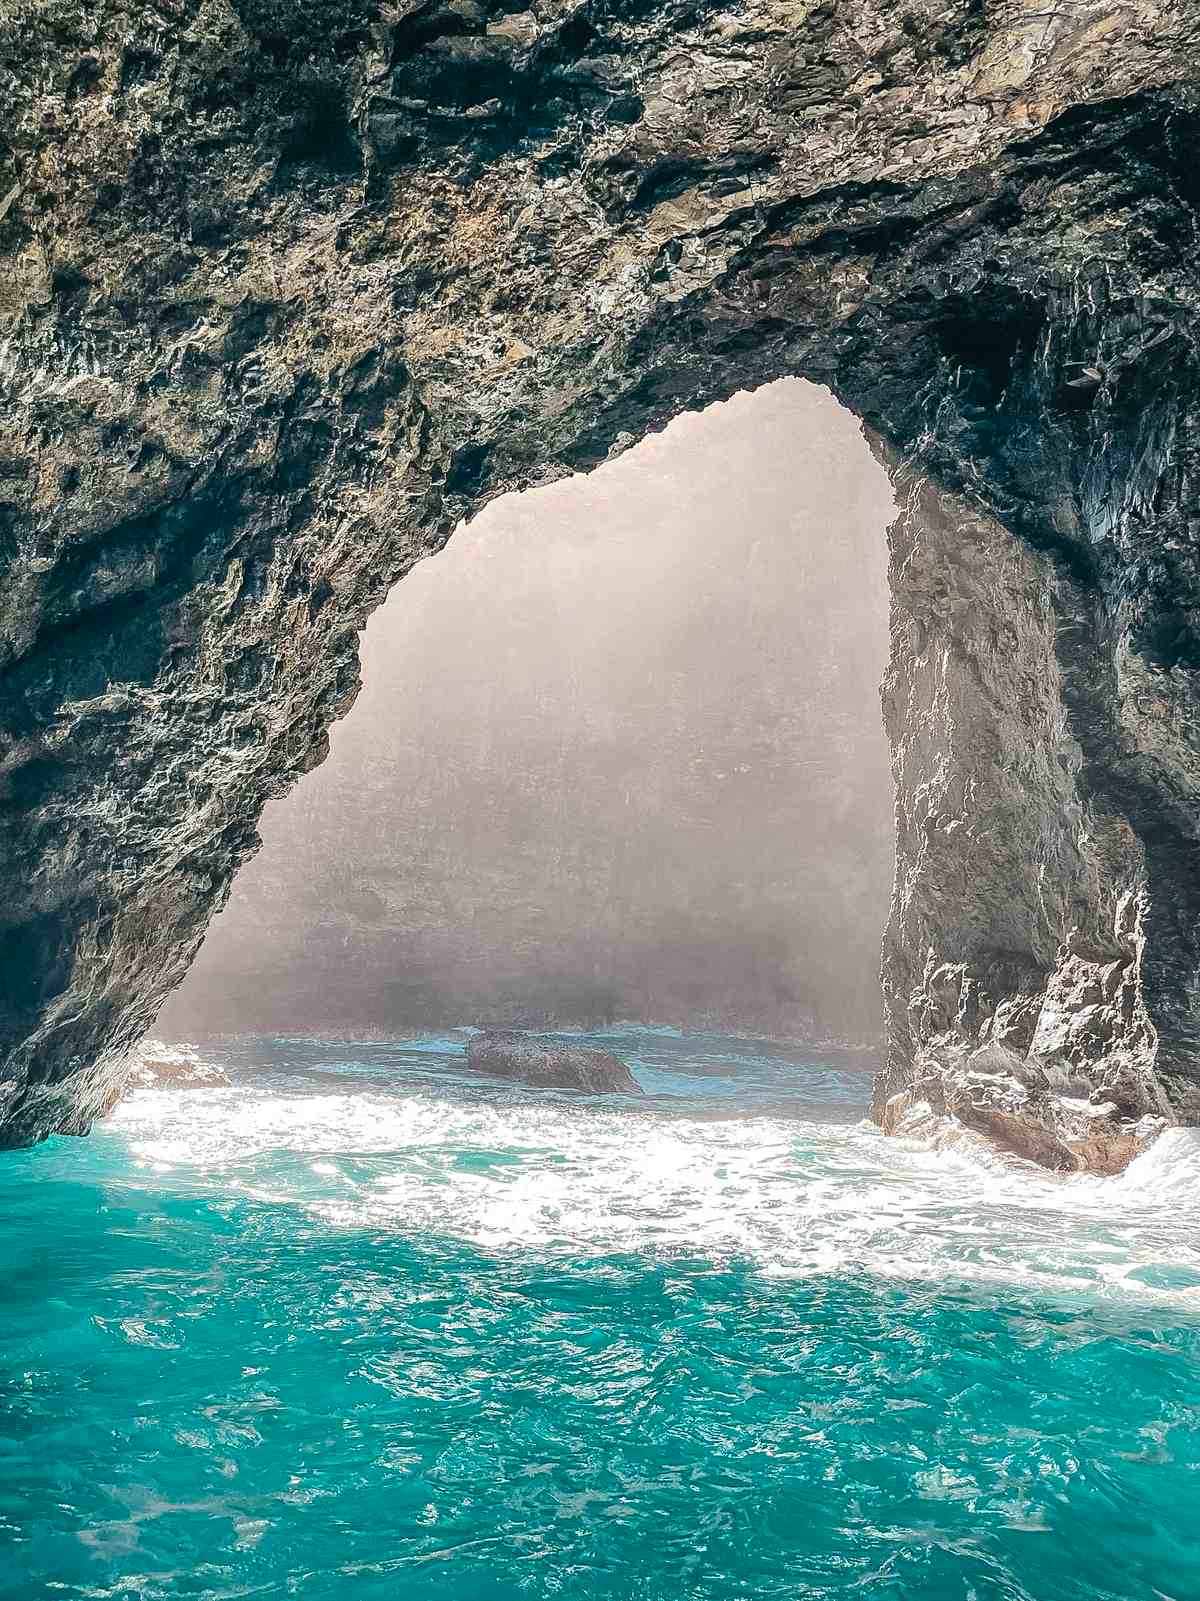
(1016, 987)
(292, 286)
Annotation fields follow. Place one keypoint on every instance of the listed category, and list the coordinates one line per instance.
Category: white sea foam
(520, 1171)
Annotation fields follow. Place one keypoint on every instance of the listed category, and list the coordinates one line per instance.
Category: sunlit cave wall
(618, 754)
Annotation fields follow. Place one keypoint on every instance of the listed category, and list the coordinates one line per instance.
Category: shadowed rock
(549, 1065)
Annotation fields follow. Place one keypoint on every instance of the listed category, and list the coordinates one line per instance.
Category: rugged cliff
(292, 286)
(1019, 993)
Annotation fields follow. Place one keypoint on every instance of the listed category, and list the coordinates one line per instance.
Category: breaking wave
(410, 1143)
(358, 1325)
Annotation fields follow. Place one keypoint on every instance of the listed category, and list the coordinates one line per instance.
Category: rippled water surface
(364, 1326)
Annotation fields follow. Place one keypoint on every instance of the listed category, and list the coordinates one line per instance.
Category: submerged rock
(548, 1064)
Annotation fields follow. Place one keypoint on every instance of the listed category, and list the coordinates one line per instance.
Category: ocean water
(362, 1326)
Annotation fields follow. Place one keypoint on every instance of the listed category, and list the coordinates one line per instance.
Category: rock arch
(293, 286)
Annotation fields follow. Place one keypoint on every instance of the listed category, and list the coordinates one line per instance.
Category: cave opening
(291, 292)
(618, 756)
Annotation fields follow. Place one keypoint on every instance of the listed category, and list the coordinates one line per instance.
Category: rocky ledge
(549, 1064)
(290, 287)
(1020, 1110)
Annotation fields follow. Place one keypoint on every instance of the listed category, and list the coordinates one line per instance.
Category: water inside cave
(362, 1324)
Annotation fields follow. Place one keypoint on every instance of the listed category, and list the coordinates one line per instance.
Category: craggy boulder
(157, 1066)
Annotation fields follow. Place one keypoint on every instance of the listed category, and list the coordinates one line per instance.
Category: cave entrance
(618, 755)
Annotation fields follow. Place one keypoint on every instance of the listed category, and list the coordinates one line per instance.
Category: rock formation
(1018, 997)
(290, 287)
(549, 1064)
(155, 1065)
(174, 1067)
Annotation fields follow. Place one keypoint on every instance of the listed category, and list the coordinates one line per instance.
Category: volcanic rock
(549, 1064)
(288, 288)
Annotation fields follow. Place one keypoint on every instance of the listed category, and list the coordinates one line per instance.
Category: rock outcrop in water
(290, 287)
(549, 1064)
(1019, 992)
(174, 1067)
(155, 1065)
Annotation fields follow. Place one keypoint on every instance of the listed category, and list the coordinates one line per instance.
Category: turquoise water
(361, 1326)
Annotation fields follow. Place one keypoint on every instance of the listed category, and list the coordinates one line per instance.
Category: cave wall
(1014, 958)
(290, 289)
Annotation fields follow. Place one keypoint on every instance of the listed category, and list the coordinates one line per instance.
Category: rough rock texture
(548, 1064)
(290, 287)
(1014, 967)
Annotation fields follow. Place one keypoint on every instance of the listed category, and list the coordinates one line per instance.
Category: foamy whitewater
(363, 1324)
